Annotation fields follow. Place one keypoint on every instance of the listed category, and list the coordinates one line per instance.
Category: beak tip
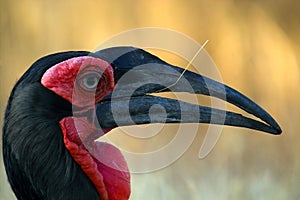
(276, 127)
(278, 130)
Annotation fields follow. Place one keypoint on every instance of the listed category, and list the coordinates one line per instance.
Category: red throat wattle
(103, 163)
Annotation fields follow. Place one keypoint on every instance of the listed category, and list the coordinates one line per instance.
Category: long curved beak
(138, 74)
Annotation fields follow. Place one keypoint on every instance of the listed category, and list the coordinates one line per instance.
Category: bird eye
(90, 81)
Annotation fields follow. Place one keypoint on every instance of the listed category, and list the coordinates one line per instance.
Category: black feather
(37, 163)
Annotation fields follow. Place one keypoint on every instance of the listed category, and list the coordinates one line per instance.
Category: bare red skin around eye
(101, 162)
(63, 77)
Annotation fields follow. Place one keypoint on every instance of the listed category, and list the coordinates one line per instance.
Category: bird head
(113, 87)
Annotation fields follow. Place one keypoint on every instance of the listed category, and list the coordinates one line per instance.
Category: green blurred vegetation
(256, 46)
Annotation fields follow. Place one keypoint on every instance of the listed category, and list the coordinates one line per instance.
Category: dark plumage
(37, 161)
(32, 144)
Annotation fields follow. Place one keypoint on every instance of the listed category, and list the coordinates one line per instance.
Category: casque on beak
(144, 73)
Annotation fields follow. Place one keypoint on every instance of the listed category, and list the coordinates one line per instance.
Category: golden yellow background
(256, 47)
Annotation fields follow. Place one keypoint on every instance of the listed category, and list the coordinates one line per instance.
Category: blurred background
(255, 45)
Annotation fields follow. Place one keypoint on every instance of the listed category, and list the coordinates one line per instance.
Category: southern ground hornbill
(65, 101)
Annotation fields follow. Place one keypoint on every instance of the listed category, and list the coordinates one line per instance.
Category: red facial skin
(65, 80)
(102, 163)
